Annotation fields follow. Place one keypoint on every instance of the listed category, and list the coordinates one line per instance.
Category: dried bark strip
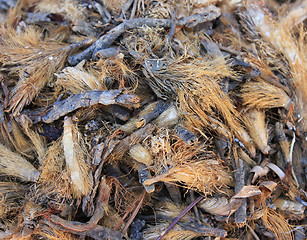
(118, 112)
(87, 99)
(106, 40)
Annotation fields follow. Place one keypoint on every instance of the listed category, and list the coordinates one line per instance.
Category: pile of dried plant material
(153, 119)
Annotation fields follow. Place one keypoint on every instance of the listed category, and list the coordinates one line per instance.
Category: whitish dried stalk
(255, 123)
(140, 154)
(75, 156)
(168, 118)
(12, 164)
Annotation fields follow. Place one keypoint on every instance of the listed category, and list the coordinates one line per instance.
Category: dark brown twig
(5, 92)
(240, 176)
(173, 27)
(136, 210)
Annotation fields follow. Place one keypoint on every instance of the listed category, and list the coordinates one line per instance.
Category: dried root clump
(190, 166)
(262, 95)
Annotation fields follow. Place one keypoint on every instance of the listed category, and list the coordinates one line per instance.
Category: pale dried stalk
(255, 123)
(38, 141)
(12, 164)
(168, 118)
(140, 154)
(293, 209)
(75, 156)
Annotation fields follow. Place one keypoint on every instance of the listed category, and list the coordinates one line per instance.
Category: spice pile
(143, 119)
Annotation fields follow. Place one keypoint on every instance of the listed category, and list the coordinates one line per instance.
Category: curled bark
(87, 99)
